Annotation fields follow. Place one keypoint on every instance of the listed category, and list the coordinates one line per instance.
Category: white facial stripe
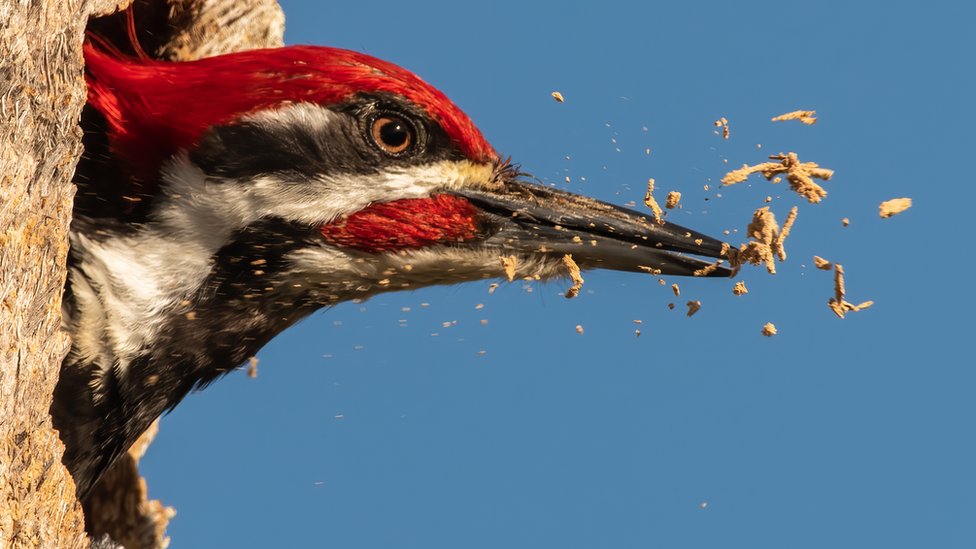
(197, 201)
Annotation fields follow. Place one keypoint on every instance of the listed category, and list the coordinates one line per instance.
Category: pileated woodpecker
(222, 200)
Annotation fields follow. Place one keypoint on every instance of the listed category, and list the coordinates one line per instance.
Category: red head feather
(154, 108)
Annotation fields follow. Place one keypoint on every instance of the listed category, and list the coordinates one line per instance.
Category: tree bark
(42, 92)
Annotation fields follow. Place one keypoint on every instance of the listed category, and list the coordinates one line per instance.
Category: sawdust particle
(508, 263)
(724, 124)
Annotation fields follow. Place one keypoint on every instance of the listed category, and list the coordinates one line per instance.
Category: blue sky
(373, 425)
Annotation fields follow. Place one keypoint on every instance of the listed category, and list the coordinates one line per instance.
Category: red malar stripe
(406, 224)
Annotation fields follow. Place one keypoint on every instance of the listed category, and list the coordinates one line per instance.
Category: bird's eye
(392, 134)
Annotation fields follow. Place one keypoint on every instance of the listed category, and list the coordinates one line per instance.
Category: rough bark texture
(41, 96)
(42, 92)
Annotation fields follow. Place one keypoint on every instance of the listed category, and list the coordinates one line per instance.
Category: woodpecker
(222, 200)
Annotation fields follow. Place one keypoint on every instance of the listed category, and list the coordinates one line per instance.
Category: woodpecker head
(381, 176)
(270, 183)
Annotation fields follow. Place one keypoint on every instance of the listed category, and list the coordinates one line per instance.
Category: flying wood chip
(508, 263)
(838, 304)
(800, 175)
(693, 307)
(807, 117)
(672, 200)
(769, 329)
(574, 273)
(767, 241)
(558, 97)
(739, 288)
(894, 206)
(651, 203)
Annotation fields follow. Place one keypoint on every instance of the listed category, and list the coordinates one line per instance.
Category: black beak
(529, 218)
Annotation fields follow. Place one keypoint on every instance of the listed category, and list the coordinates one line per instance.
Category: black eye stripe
(337, 141)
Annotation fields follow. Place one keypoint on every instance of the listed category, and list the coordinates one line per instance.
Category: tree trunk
(42, 92)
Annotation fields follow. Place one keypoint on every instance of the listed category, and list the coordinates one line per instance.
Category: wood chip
(676, 290)
(574, 273)
(693, 307)
(739, 288)
(822, 263)
(724, 124)
(769, 329)
(252, 367)
(558, 97)
(783, 233)
(579, 329)
(894, 206)
(845, 222)
(708, 269)
(767, 241)
(838, 304)
(651, 203)
(508, 263)
(807, 117)
(799, 174)
(672, 200)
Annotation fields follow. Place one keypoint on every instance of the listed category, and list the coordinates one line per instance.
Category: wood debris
(767, 241)
(724, 124)
(574, 273)
(838, 304)
(708, 269)
(579, 329)
(822, 263)
(508, 263)
(672, 200)
(769, 329)
(558, 97)
(894, 206)
(693, 307)
(800, 175)
(676, 290)
(651, 203)
(670, 306)
(783, 233)
(807, 117)
(845, 222)
(739, 288)
(252, 367)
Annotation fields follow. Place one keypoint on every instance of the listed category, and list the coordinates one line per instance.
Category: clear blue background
(374, 426)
